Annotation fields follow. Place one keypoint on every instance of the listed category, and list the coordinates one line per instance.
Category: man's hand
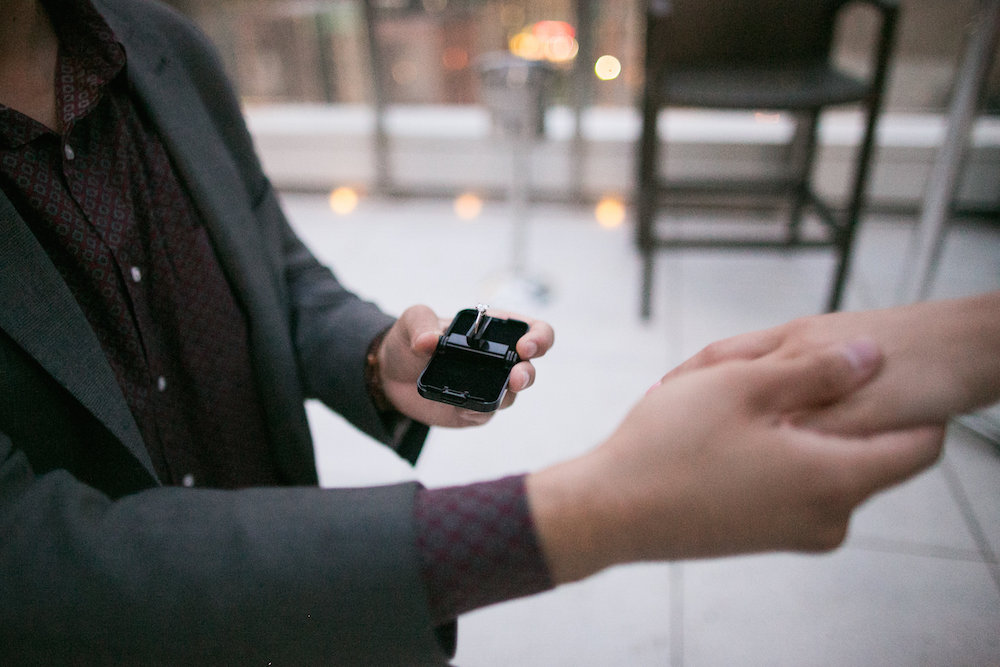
(706, 464)
(942, 359)
(408, 347)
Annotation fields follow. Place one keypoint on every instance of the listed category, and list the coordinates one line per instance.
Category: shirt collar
(90, 57)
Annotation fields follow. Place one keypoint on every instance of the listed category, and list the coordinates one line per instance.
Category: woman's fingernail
(658, 383)
(529, 350)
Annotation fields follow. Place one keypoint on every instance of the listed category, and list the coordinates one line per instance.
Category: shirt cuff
(478, 546)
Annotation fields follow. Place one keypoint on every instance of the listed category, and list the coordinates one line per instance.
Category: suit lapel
(38, 312)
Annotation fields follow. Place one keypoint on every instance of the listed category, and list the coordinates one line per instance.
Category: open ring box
(471, 366)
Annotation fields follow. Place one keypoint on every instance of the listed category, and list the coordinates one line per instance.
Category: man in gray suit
(160, 329)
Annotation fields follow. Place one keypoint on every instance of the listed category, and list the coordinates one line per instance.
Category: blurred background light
(607, 68)
(343, 200)
(610, 212)
(468, 206)
(525, 45)
(766, 117)
(552, 41)
(560, 49)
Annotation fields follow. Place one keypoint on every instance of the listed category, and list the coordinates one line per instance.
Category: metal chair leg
(803, 155)
(646, 293)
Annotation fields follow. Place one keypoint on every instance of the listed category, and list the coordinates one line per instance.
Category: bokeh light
(552, 41)
(607, 68)
(525, 45)
(560, 49)
(468, 206)
(767, 116)
(610, 212)
(343, 200)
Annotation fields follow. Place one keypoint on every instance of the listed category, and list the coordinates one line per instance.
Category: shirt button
(136, 274)
(188, 480)
(68, 152)
(161, 383)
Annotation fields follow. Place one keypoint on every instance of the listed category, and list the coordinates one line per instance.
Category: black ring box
(471, 368)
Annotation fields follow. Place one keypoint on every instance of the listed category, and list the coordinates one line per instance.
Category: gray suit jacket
(99, 563)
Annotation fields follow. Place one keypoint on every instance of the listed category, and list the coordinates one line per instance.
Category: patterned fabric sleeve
(478, 546)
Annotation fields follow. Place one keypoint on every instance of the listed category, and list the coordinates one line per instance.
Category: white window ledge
(305, 146)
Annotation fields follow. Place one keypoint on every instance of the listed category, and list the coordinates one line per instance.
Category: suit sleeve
(264, 576)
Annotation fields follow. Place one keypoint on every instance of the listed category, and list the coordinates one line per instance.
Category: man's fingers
(538, 339)
(508, 400)
(424, 343)
(472, 417)
(422, 328)
(809, 381)
(522, 376)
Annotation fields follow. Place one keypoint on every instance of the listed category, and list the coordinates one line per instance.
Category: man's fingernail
(529, 350)
(517, 380)
(862, 354)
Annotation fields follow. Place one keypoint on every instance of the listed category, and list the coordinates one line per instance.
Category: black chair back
(731, 32)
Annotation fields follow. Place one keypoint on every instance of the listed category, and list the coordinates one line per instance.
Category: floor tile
(976, 464)
(619, 617)
(919, 516)
(849, 608)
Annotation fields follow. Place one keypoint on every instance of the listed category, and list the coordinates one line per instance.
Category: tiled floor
(918, 581)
